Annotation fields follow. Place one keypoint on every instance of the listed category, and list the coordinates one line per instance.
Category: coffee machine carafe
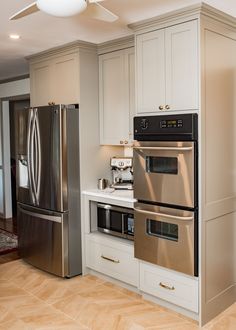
(122, 173)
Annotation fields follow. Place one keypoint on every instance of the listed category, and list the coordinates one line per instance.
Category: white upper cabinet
(40, 83)
(150, 77)
(66, 79)
(181, 46)
(167, 69)
(55, 79)
(116, 96)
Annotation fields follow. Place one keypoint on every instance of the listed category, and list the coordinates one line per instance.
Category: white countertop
(111, 195)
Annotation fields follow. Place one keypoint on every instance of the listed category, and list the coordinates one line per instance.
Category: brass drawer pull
(167, 286)
(110, 259)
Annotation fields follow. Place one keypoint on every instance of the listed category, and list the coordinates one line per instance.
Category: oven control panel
(179, 127)
(173, 123)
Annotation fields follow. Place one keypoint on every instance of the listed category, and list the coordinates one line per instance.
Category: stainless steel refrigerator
(49, 225)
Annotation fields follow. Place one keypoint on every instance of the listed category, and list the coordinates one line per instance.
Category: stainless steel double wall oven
(166, 187)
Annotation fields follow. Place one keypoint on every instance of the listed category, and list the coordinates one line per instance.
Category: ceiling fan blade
(95, 10)
(26, 11)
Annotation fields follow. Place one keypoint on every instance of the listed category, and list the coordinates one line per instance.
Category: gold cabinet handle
(126, 142)
(161, 107)
(121, 142)
(167, 107)
(110, 259)
(167, 286)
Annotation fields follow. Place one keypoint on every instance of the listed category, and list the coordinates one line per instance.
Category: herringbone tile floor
(32, 299)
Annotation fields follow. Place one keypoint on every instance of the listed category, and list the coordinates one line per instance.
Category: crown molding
(186, 13)
(116, 44)
(70, 47)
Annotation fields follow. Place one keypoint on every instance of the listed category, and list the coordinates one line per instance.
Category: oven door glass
(166, 237)
(165, 172)
(162, 229)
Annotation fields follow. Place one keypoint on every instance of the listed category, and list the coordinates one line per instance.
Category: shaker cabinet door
(40, 83)
(150, 72)
(66, 79)
(182, 66)
(116, 96)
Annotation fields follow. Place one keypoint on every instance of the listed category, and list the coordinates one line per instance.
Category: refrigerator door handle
(33, 156)
(53, 218)
(29, 156)
(38, 156)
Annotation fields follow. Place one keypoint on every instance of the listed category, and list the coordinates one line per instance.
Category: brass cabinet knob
(167, 107)
(126, 142)
(161, 107)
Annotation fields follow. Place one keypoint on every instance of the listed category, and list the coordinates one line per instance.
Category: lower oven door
(166, 237)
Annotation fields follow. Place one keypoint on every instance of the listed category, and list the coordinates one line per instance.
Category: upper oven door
(165, 172)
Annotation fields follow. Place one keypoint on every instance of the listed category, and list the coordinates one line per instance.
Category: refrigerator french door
(49, 193)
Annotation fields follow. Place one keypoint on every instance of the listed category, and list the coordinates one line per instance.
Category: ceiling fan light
(62, 8)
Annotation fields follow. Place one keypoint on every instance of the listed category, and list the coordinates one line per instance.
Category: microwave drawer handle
(110, 259)
(174, 217)
(172, 288)
(165, 148)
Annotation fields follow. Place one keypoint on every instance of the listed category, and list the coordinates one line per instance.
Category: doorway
(10, 137)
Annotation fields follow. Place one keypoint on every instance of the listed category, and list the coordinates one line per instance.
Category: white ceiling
(40, 31)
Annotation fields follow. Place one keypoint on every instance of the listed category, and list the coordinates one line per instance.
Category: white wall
(15, 88)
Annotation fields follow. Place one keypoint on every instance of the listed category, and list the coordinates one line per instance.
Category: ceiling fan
(66, 8)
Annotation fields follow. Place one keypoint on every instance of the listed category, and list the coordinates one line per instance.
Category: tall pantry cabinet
(185, 62)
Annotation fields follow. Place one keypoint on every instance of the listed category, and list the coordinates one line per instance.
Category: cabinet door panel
(150, 71)
(66, 79)
(182, 66)
(40, 83)
(114, 112)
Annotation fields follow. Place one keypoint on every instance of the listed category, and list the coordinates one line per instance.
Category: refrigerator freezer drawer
(43, 239)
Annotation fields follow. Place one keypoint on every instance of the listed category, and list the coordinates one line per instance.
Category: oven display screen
(174, 123)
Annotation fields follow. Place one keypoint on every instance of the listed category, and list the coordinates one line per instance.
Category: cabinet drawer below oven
(175, 288)
(112, 258)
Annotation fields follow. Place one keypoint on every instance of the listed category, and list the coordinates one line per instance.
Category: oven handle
(166, 148)
(173, 217)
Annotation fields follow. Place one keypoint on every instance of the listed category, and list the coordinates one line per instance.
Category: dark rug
(8, 242)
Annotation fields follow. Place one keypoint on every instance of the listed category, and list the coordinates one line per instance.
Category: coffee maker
(122, 173)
